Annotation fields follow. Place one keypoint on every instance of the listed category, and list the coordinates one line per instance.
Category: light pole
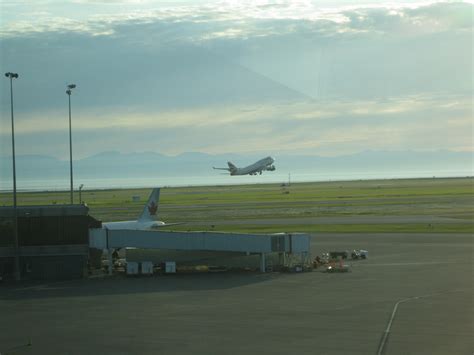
(80, 197)
(12, 76)
(68, 92)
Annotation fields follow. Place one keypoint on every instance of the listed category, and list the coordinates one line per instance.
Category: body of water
(216, 179)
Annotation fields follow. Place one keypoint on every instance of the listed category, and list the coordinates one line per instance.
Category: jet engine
(271, 168)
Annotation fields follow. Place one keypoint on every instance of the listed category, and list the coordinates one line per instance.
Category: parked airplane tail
(151, 208)
(232, 167)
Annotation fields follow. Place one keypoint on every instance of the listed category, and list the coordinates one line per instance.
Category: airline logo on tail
(152, 208)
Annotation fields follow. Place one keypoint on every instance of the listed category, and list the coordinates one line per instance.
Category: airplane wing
(167, 225)
(221, 168)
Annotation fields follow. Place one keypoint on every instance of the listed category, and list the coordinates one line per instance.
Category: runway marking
(30, 288)
(394, 311)
(414, 263)
(47, 286)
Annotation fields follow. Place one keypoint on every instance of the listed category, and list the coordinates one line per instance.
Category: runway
(309, 313)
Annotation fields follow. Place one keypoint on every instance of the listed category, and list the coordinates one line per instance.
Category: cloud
(331, 128)
(163, 58)
(243, 19)
(345, 113)
(227, 76)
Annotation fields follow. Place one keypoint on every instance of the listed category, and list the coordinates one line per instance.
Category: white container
(132, 268)
(170, 267)
(147, 268)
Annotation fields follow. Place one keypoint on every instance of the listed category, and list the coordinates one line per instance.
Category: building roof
(46, 210)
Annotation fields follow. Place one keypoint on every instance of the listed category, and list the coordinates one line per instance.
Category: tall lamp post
(69, 92)
(12, 76)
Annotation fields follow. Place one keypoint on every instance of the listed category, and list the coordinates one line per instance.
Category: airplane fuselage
(258, 167)
(133, 225)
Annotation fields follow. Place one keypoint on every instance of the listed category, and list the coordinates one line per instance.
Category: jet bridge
(282, 243)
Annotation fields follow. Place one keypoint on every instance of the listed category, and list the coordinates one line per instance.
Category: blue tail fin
(150, 211)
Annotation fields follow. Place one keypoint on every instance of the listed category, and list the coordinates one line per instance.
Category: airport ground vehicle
(336, 254)
(337, 268)
(359, 254)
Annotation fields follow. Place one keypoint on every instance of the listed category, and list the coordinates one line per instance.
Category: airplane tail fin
(151, 208)
(232, 167)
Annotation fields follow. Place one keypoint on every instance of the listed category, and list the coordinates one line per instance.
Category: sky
(327, 78)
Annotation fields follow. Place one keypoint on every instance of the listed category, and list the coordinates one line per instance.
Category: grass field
(243, 207)
(336, 228)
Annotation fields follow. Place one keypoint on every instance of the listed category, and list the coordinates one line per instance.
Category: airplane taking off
(258, 167)
(146, 220)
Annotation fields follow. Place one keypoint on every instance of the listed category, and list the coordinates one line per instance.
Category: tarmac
(429, 276)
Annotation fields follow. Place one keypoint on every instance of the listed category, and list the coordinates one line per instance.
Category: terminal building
(59, 242)
(53, 241)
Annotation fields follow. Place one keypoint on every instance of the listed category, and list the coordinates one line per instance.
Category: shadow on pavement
(117, 285)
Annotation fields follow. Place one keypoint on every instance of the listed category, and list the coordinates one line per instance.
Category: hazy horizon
(147, 169)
